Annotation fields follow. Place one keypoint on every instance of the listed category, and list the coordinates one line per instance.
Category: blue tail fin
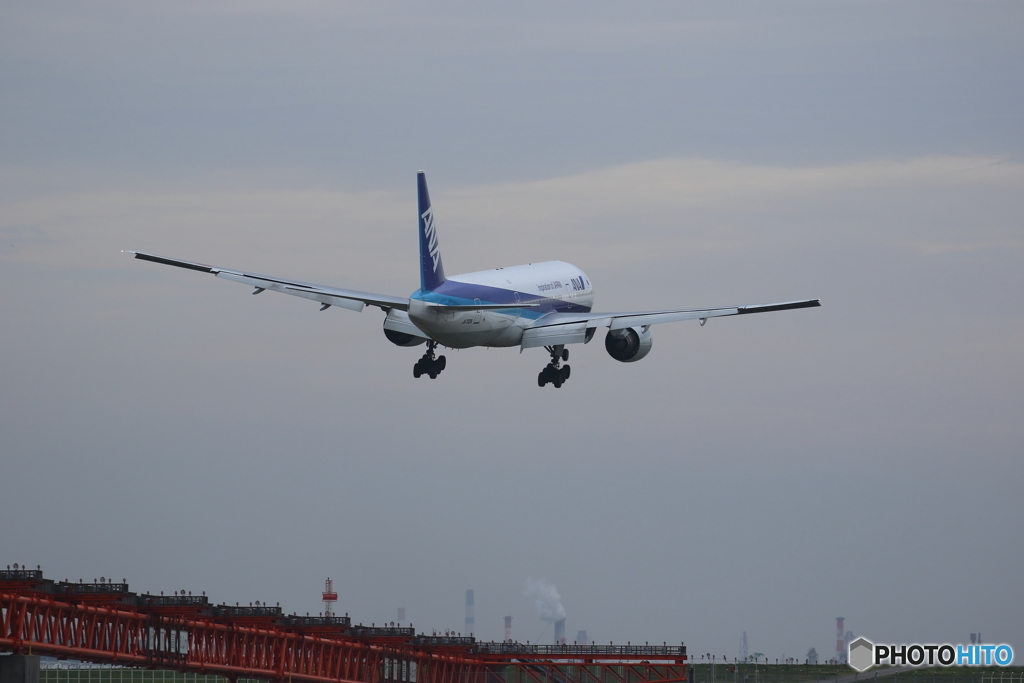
(431, 268)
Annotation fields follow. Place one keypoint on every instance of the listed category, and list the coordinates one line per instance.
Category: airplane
(545, 304)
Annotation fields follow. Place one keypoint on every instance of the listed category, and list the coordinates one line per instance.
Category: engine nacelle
(400, 330)
(629, 345)
(402, 339)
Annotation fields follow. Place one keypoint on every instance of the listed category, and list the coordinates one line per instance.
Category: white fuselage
(550, 286)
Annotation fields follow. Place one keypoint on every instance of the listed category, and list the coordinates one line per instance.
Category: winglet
(786, 306)
(175, 262)
(431, 268)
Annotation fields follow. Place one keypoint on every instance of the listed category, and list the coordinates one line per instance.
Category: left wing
(328, 296)
(569, 328)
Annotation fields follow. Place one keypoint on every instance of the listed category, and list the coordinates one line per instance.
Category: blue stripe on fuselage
(453, 293)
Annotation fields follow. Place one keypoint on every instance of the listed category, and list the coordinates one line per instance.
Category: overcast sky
(762, 474)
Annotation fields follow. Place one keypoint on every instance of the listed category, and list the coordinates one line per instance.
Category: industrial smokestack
(470, 618)
(508, 629)
(840, 642)
(560, 632)
(401, 614)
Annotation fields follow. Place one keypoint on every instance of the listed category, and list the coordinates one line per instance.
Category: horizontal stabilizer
(575, 333)
(482, 307)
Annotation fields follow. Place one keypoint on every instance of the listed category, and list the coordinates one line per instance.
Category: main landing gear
(553, 373)
(428, 365)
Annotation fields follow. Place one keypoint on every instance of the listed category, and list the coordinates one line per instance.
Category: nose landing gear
(553, 373)
(428, 365)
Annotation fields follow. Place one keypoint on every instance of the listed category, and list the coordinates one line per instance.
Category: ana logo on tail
(431, 234)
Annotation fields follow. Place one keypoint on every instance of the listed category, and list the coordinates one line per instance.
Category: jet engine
(402, 339)
(630, 344)
(400, 330)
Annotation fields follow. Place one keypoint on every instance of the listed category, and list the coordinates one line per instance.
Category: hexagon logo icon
(862, 654)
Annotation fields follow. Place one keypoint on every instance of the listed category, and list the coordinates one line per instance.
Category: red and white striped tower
(330, 597)
(840, 641)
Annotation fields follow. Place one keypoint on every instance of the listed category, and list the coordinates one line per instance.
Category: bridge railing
(582, 651)
(21, 574)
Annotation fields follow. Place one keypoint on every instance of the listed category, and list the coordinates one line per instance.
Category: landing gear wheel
(553, 374)
(428, 365)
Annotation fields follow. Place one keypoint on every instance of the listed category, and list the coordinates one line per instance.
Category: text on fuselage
(547, 286)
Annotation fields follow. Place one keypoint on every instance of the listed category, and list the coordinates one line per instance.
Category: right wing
(619, 321)
(329, 296)
(570, 328)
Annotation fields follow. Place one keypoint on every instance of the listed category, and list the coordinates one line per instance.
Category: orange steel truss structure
(104, 623)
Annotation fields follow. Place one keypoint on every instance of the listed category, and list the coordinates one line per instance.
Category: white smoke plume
(547, 599)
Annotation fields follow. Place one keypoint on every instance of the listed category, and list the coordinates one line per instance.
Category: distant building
(812, 656)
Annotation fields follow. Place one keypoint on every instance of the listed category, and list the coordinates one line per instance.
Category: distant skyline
(762, 474)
